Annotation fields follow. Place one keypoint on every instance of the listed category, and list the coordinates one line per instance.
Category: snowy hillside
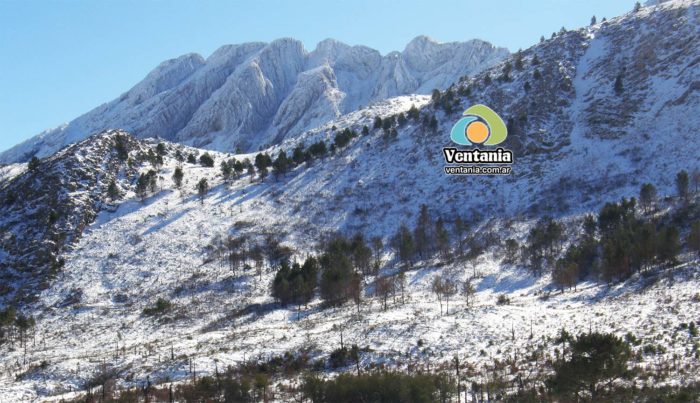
(592, 114)
(249, 95)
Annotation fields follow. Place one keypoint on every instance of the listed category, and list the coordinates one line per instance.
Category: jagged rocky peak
(233, 98)
(167, 75)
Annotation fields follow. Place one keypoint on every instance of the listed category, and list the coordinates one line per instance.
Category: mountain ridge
(247, 96)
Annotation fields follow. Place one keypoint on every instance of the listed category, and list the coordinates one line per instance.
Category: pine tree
(694, 237)
(121, 147)
(298, 154)
(682, 182)
(442, 238)
(319, 149)
(339, 282)
(413, 112)
(647, 196)
(435, 97)
(593, 20)
(403, 243)
(519, 65)
(460, 231)
(595, 361)
(668, 245)
(433, 123)
(565, 273)
(511, 251)
(206, 160)
(161, 150)
(238, 167)
(401, 120)
(113, 190)
(619, 88)
(637, 7)
(295, 284)
(250, 169)
(202, 189)
(33, 163)
(177, 177)
(377, 247)
(146, 183)
(281, 164)
(262, 162)
(423, 234)
(226, 170)
(695, 180)
(377, 122)
(361, 254)
(505, 73)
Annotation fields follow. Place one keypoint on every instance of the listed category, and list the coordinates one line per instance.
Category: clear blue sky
(62, 58)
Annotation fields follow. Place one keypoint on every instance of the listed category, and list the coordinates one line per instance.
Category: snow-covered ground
(588, 147)
(136, 252)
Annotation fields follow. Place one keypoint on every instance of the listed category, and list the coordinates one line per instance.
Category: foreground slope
(571, 156)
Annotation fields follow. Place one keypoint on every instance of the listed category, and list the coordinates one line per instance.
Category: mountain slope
(571, 156)
(249, 95)
(47, 208)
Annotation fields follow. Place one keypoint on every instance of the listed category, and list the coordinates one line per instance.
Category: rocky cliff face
(255, 94)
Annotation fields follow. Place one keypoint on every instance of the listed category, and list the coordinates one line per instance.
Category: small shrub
(162, 306)
(503, 300)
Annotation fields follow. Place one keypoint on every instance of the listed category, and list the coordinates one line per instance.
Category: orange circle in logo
(477, 132)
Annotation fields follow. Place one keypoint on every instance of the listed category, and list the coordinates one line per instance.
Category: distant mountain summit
(255, 94)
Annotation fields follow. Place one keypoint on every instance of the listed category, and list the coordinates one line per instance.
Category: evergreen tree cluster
(233, 168)
(340, 281)
(146, 184)
(447, 101)
(593, 361)
(429, 236)
(382, 386)
(629, 243)
(243, 252)
(619, 242)
(543, 243)
(15, 326)
(343, 137)
(296, 284)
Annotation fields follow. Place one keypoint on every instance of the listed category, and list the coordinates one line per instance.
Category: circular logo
(477, 132)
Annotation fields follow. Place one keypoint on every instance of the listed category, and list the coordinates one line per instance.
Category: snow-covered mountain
(592, 114)
(249, 95)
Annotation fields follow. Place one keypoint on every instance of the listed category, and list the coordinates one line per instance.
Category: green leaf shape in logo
(499, 131)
